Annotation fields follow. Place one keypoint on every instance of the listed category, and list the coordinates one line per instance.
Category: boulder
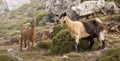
(75, 10)
(111, 7)
(55, 7)
(88, 7)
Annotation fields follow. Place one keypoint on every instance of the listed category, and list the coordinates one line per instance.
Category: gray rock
(88, 7)
(5, 42)
(14, 54)
(111, 7)
(75, 10)
(15, 39)
(55, 7)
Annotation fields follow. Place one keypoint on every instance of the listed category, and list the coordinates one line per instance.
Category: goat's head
(62, 18)
(33, 22)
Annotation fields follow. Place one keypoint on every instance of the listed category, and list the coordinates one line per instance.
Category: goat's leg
(102, 39)
(91, 44)
(77, 44)
(103, 44)
(21, 43)
(32, 45)
(25, 45)
(28, 45)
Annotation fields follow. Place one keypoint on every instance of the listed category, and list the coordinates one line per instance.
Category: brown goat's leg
(31, 47)
(28, 44)
(32, 44)
(25, 45)
(21, 43)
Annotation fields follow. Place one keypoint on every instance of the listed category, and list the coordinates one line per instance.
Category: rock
(5, 42)
(111, 7)
(75, 10)
(88, 7)
(15, 39)
(66, 57)
(14, 54)
(113, 27)
(55, 7)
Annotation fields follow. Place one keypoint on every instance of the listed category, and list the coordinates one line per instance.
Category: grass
(4, 57)
(111, 55)
(45, 44)
(40, 15)
(30, 54)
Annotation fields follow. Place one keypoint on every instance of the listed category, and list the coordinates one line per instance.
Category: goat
(28, 34)
(84, 29)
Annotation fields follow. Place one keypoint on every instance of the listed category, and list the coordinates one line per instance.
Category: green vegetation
(83, 0)
(4, 57)
(40, 15)
(111, 55)
(18, 25)
(62, 43)
(57, 28)
(45, 44)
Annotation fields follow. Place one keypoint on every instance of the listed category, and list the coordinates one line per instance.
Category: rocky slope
(10, 24)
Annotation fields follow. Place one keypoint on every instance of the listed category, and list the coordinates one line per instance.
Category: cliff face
(8, 5)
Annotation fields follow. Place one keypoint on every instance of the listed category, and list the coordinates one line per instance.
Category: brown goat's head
(62, 18)
(33, 22)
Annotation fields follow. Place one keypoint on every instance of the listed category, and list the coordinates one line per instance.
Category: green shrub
(45, 44)
(57, 28)
(111, 55)
(4, 57)
(62, 43)
(40, 15)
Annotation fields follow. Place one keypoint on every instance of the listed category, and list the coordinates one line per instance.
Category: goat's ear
(64, 14)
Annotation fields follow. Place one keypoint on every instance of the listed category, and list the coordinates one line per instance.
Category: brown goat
(28, 34)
